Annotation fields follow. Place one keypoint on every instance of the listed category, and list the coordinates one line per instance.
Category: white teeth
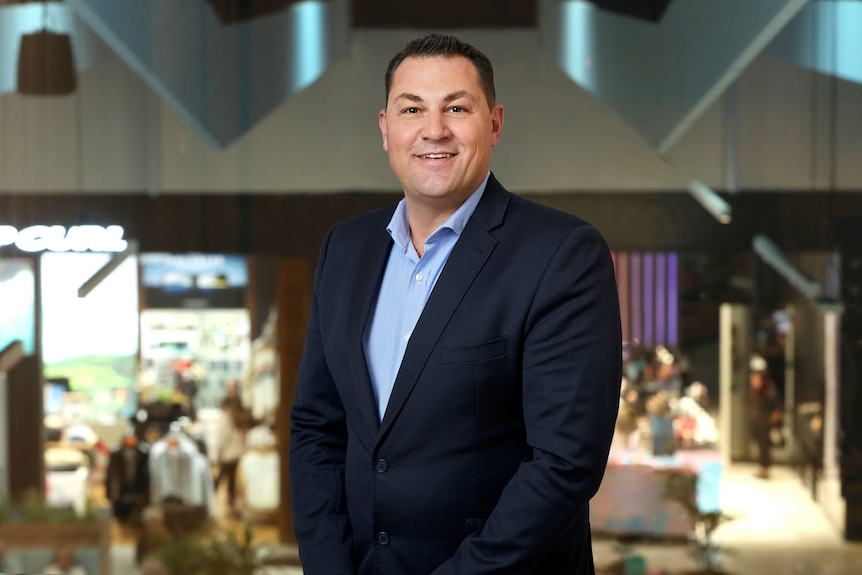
(436, 156)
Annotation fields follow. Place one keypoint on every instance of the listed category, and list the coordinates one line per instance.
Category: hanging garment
(127, 479)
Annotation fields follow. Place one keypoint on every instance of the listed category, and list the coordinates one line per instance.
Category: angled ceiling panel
(661, 76)
(824, 37)
(221, 78)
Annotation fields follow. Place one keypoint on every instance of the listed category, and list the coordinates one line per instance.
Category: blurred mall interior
(168, 171)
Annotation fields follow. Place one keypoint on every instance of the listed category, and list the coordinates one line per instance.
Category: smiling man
(460, 381)
(439, 142)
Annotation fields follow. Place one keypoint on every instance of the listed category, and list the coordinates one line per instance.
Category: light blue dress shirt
(407, 283)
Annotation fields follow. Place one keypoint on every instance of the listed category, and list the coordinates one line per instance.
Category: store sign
(82, 238)
(194, 281)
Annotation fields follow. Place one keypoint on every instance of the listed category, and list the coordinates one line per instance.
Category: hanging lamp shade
(46, 64)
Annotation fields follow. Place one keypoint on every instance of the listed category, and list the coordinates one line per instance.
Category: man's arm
(318, 443)
(571, 379)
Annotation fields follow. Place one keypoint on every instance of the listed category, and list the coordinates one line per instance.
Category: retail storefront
(106, 347)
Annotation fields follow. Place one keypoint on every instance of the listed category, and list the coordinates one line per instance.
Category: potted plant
(213, 552)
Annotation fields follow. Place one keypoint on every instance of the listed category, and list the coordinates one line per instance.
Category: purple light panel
(647, 284)
(672, 300)
(635, 299)
(661, 319)
(648, 299)
(622, 261)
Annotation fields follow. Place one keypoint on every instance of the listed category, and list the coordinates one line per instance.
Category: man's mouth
(435, 156)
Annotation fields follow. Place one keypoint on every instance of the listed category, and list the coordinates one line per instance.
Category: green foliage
(218, 552)
(31, 508)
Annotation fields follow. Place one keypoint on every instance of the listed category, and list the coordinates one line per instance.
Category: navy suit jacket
(498, 428)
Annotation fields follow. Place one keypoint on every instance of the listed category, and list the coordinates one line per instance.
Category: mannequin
(127, 478)
(258, 473)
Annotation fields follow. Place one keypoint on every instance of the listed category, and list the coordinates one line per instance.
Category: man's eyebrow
(406, 96)
(458, 95)
(447, 98)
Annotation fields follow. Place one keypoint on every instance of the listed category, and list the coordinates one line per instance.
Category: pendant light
(46, 64)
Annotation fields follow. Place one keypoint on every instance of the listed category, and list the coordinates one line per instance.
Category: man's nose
(436, 127)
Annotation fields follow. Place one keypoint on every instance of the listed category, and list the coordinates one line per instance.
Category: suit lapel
(369, 273)
(470, 253)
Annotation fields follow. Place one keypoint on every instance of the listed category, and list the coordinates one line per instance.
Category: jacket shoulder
(499, 206)
(526, 216)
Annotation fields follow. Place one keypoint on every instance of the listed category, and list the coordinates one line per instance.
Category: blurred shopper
(764, 411)
(230, 445)
(64, 562)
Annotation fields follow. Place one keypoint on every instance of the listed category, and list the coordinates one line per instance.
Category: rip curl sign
(83, 238)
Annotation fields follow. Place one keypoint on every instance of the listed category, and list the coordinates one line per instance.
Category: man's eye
(411, 110)
(458, 109)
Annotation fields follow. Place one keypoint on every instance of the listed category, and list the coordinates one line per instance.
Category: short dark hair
(447, 47)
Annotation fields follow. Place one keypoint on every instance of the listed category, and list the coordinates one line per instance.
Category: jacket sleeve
(571, 380)
(318, 443)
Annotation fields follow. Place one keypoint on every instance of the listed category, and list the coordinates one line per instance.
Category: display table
(631, 500)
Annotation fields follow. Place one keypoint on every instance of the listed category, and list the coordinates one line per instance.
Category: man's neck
(424, 222)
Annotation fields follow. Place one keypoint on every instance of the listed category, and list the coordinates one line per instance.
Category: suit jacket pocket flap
(475, 352)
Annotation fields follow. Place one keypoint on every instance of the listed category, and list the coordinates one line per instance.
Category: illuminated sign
(82, 238)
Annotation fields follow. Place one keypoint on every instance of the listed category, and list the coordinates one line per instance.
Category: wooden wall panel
(294, 225)
(294, 304)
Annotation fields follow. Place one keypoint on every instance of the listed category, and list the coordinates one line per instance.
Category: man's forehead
(409, 80)
(413, 63)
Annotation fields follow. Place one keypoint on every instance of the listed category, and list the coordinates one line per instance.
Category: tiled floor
(779, 530)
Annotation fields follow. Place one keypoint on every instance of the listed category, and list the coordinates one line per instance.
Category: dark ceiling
(441, 14)
(479, 13)
(444, 14)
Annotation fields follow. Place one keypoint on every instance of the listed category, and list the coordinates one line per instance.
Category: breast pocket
(473, 352)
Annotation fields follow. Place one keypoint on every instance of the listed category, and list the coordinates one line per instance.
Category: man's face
(439, 130)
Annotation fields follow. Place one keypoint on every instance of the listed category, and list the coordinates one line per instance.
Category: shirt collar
(399, 226)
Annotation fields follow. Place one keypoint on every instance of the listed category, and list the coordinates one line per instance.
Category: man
(460, 381)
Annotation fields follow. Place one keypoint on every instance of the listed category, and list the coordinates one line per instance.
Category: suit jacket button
(381, 466)
(383, 538)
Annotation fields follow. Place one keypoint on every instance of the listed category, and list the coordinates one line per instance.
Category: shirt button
(419, 277)
(383, 538)
(381, 466)
(406, 337)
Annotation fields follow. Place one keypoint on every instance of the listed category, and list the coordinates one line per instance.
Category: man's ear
(381, 119)
(496, 124)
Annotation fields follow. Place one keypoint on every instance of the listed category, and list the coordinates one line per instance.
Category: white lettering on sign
(60, 239)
